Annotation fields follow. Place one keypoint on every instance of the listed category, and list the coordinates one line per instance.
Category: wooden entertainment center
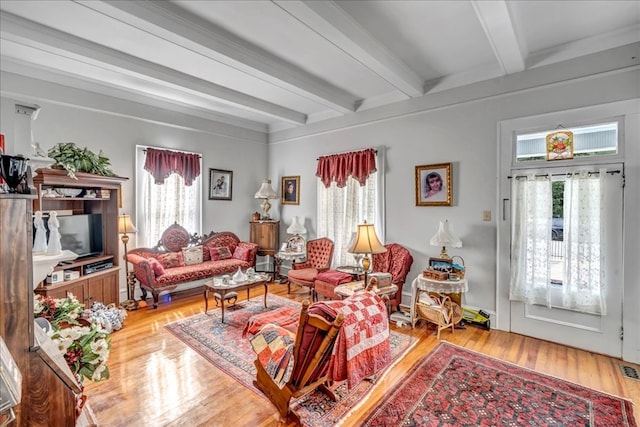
(99, 195)
(51, 395)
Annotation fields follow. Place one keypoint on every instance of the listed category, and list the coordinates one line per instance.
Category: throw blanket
(273, 346)
(362, 347)
(334, 277)
(285, 317)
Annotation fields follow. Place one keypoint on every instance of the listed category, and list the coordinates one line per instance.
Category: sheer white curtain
(159, 206)
(530, 239)
(340, 210)
(583, 286)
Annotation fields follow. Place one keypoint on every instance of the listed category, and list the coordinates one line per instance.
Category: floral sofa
(181, 257)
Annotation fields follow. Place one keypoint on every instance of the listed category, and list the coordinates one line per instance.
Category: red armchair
(319, 257)
(397, 261)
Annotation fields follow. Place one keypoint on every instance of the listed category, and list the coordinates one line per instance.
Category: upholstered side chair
(319, 257)
(396, 260)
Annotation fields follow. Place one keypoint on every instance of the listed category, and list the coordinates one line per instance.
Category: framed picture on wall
(433, 185)
(290, 190)
(220, 184)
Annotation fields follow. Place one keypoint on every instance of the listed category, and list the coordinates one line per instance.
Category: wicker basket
(437, 314)
(459, 272)
(434, 275)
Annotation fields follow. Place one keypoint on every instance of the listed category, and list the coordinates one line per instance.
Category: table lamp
(445, 237)
(126, 226)
(266, 192)
(366, 242)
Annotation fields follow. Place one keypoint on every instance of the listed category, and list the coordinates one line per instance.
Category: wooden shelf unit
(102, 286)
(50, 392)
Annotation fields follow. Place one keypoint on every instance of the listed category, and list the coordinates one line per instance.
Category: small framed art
(290, 190)
(433, 185)
(220, 184)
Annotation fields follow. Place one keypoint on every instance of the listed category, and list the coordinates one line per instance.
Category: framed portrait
(433, 185)
(290, 190)
(220, 184)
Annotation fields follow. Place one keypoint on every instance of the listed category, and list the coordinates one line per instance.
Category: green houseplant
(73, 159)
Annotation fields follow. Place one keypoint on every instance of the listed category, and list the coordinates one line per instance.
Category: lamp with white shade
(445, 237)
(366, 242)
(125, 226)
(296, 227)
(266, 192)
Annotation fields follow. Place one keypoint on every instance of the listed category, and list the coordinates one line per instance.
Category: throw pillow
(220, 253)
(192, 255)
(241, 253)
(157, 268)
(171, 260)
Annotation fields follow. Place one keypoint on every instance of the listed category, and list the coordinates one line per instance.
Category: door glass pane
(556, 260)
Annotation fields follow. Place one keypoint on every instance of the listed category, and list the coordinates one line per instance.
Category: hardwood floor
(156, 380)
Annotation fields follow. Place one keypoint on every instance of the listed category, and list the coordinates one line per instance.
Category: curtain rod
(344, 152)
(612, 172)
(173, 151)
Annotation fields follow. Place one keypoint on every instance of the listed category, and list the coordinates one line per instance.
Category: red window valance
(339, 167)
(162, 163)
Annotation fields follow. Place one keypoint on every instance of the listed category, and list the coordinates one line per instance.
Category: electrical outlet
(486, 215)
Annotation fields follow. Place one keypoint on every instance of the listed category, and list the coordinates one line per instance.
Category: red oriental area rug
(222, 345)
(453, 386)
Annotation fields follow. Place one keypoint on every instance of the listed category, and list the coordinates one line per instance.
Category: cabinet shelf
(102, 285)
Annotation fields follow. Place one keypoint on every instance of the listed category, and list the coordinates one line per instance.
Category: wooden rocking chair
(314, 341)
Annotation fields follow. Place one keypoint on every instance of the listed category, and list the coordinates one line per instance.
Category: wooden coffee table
(222, 291)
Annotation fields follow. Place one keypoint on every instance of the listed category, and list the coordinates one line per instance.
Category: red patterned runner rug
(453, 386)
(222, 345)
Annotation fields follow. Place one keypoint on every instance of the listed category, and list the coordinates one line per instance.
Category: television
(81, 234)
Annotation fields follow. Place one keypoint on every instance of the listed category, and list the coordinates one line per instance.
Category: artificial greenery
(73, 159)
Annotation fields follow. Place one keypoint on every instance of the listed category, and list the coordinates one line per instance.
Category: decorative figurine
(54, 246)
(40, 240)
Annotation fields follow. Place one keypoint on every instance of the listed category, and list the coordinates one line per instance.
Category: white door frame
(628, 111)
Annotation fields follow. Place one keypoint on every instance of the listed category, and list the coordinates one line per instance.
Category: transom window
(593, 140)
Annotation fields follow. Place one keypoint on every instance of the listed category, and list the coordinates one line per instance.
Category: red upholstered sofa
(181, 257)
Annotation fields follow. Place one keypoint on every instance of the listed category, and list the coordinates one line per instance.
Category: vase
(14, 171)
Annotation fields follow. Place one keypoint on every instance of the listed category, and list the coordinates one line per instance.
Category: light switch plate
(486, 215)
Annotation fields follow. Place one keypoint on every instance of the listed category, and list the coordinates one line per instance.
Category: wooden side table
(266, 234)
(289, 256)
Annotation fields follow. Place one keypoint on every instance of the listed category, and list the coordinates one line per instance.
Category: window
(340, 210)
(159, 206)
(592, 140)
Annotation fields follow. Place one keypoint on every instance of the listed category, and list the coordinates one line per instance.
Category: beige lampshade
(125, 225)
(266, 191)
(366, 241)
(445, 237)
(296, 226)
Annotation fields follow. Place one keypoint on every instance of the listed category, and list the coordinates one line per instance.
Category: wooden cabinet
(100, 286)
(265, 234)
(98, 195)
(49, 390)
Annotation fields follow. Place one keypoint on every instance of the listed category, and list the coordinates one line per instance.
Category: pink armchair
(397, 261)
(319, 257)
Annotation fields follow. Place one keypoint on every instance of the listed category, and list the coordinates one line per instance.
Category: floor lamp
(126, 226)
(366, 242)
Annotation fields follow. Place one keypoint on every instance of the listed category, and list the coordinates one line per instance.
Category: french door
(554, 320)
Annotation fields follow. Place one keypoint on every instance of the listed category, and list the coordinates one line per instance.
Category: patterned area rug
(222, 344)
(453, 386)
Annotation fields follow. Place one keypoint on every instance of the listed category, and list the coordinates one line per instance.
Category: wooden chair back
(314, 341)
